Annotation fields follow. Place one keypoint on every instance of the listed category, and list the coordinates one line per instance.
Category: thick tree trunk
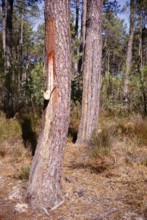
(129, 55)
(44, 189)
(91, 71)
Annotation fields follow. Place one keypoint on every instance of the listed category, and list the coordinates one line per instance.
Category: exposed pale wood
(45, 189)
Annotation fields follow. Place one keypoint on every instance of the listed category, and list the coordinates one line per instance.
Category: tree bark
(84, 12)
(129, 55)
(44, 190)
(77, 18)
(83, 31)
(143, 87)
(91, 71)
(7, 8)
(9, 15)
(4, 29)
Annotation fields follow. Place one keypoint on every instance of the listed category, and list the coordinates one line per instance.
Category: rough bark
(129, 55)
(45, 189)
(91, 71)
(7, 8)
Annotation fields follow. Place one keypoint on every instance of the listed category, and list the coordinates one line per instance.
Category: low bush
(24, 173)
(100, 142)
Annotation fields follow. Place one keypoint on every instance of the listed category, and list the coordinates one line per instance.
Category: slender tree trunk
(4, 29)
(129, 55)
(9, 14)
(77, 18)
(44, 189)
(141, 66)
(7, 8)
(140, 41)
(83, 32)
(84, 12)
(76, 34)
(91, 71)
(108, 62)
(20, 51)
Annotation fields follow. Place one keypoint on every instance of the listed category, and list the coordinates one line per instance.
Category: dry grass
(92, 186)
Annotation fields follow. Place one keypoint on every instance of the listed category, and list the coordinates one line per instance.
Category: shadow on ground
(28, 135)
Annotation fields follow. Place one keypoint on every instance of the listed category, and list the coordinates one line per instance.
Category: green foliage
(35, 84)
(114, 39)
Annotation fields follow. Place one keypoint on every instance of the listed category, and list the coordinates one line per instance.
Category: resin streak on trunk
(44, 189)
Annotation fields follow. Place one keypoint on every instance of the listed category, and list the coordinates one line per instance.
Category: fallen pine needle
(105, 214)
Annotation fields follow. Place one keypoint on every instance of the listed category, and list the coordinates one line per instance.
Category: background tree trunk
(91, 71)
(83, 32)
(77, 18)
(7, 7)
(4, 28)
(129, 54)
(44, 189)
(143, 87)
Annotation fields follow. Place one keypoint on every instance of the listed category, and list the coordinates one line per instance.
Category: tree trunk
(83, 31)
(4, 29)
(143, 87)
(7, 8)
(91, 71)
(44, 189)
(9, 14)
(129, 55)
(77, 18)
(84, 12)
(76, 34)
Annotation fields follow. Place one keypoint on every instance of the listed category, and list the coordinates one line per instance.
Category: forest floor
(109, 187)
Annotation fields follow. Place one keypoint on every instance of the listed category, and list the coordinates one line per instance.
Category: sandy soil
(110, 188)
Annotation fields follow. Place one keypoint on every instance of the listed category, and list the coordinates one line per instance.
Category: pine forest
(73, 110)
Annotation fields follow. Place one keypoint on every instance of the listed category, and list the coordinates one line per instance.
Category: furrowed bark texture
(129, 55)
(91, 71)
(44, 189)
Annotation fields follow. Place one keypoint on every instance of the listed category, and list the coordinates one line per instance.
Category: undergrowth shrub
(24, 173)
(10, 129)
(101, 142)
(134, 130)
(131, 131)
(74, 121)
